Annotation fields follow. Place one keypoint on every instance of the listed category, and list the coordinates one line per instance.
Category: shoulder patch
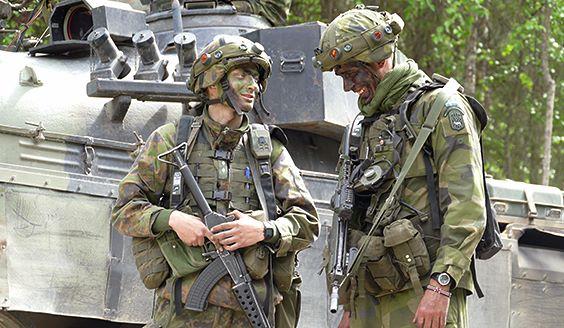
(455, 118)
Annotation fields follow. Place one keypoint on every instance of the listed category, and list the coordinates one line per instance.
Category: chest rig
(240, 178)
(382, 144)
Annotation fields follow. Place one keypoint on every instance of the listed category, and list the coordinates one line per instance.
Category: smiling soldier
(274, 214)
(416, 264)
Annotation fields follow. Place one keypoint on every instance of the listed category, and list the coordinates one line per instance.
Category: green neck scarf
(393, 87)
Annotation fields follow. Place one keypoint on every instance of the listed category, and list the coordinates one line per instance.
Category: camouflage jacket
(137, 212)
(457, 166)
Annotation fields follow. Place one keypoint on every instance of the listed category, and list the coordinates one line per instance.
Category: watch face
(443, 279)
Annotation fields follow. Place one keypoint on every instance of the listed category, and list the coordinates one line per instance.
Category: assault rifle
(342, 205)
(223, 262)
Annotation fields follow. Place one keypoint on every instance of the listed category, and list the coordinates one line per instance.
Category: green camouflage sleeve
(275, 11)
(299, 224)
(457, 157)
(140, 190)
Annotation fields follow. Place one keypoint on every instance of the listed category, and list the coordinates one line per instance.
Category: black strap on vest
(436, 218)
(182, 132)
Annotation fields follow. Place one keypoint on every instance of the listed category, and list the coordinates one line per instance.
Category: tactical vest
(226, 180)
(401, 251)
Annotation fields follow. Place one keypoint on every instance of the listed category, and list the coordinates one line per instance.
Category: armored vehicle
(73, 113)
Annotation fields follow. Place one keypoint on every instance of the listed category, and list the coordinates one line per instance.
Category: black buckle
(221, 195)
(224, 155)
(264, 169)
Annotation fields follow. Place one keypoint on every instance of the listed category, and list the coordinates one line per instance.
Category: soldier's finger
(233, 247)
(235, 214)
(223, 226)
(428, 321)
(224, 234)
(229, 241)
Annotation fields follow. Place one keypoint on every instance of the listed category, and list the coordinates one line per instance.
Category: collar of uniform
(221, 136)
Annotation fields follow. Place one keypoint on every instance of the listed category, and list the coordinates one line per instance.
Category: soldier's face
(244, 82)
(359, 78)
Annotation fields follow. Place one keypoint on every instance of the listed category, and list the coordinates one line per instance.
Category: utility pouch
(183, 259)
(151, 264)
(256, 256)
(379, 264)
(409, 250)
(283, 271)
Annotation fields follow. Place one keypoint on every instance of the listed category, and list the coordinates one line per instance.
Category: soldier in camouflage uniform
(228, 76)
(361, 47)
(275, 11)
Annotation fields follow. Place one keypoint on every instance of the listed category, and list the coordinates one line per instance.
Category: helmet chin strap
(229, 97)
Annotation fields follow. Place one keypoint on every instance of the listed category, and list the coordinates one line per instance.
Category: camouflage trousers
(397, 310)
(286, 314)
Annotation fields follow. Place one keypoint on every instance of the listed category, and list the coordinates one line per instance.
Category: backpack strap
(186, 131)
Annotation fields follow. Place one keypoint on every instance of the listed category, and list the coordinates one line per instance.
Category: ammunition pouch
(409, 250)
(392, 260)
(379, 263)
(283, 269)
(151, 264)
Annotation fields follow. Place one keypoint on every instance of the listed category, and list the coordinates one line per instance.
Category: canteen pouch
(150, 261)
(409, 250)
(379, 264)
(182, 259)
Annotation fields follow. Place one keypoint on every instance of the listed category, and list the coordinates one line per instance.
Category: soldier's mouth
(248, 97)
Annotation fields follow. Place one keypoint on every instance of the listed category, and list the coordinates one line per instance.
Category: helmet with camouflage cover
(221, 55)
(361, 34)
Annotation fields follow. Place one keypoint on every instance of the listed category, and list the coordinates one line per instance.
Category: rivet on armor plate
(218, 54)
(347, 47)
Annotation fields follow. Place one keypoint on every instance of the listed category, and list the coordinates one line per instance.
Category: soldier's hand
(345, 320)
(242, 232)
(189, 228)
(432, 310)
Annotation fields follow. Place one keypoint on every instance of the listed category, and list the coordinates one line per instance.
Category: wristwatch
(442, 278)
(268, 230)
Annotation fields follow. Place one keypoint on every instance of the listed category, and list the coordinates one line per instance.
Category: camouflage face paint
(243, 80)
(358, 78)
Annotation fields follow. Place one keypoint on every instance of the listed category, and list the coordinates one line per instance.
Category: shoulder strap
(187, 131)
(258, 147)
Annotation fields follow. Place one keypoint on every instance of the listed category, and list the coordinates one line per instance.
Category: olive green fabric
(397, 311)
(393, 87)
(359, 34)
